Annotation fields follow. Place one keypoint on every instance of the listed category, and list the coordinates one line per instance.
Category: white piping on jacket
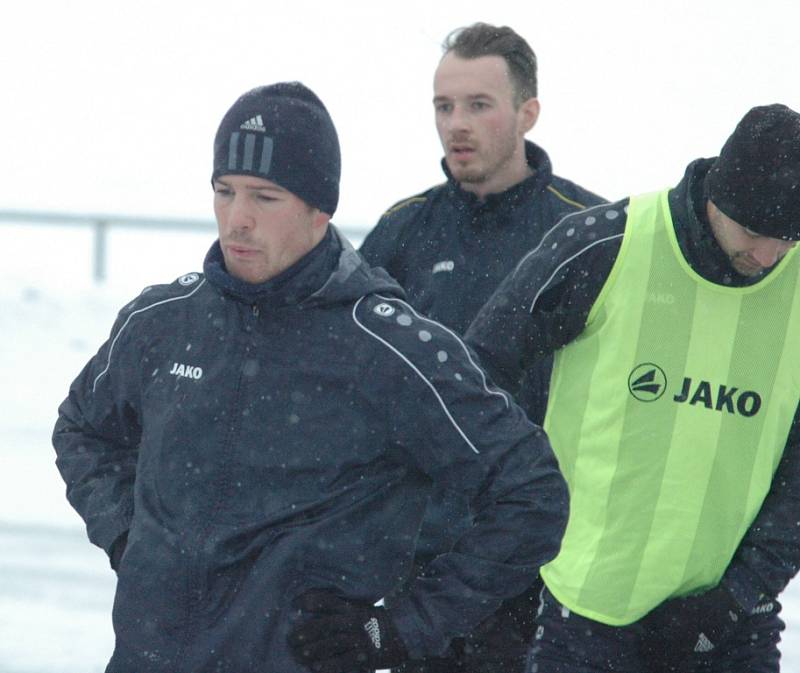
(133, 313)
(550, 231)
(418, 372)
(498, 392)
(567, 261)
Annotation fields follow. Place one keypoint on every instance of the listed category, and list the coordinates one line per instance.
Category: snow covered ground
(56, 589)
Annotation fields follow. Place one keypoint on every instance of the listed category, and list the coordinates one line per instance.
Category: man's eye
(443, 107)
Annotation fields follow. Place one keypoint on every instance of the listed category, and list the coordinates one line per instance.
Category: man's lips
(462, 151)
(240, 250)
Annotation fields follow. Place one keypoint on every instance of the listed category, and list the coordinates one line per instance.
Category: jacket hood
(353, 278)
(332, 272)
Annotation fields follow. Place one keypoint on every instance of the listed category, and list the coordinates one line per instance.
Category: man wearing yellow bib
(675, 323)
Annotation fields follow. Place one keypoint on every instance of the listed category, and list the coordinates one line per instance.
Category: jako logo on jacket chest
(444, 265)
(186, 371)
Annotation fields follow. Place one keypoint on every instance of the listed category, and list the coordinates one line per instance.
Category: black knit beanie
(283, 133)
(756, 178)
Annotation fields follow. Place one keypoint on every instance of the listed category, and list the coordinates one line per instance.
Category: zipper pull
(256, 312)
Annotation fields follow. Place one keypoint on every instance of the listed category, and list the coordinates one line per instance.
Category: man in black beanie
(675, 319)
(254, 446)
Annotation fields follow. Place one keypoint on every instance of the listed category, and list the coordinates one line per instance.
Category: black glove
(683, 628)
(335, 635)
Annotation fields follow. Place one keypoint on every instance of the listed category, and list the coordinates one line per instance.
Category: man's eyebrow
(254, 187)
(265, 188)
(471, 96)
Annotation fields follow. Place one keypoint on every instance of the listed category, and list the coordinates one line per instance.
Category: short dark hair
(483, 39)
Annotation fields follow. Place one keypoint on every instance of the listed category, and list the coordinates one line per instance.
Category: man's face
(751, 254)
(263, 229)
(481, 130)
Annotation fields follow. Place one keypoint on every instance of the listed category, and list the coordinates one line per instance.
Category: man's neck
(499, 183)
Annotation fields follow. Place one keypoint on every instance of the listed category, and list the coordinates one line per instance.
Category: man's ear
(528, 114)
(321, 219)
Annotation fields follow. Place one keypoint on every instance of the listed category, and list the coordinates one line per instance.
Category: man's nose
(770, 250)
(240, 215)
(458, 120)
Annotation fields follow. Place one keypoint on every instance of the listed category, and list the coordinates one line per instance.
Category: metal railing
(102, 223)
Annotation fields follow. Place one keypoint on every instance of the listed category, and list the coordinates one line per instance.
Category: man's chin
(466, 175)
(748, 270)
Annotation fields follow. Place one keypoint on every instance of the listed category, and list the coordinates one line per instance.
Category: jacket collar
(331, 272)
(542, 176)
(291, 286)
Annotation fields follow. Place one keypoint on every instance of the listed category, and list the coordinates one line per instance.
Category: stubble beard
(481, 174)
(469, 176)
(744, 267)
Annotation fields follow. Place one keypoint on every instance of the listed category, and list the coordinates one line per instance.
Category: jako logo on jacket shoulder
(186, 371)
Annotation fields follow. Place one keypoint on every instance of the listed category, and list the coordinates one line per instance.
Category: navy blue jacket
(254, 442)
(450, 250)
(544, 303)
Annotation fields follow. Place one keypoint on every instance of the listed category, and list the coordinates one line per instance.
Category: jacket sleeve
(769, 554)
(379, 246)
(384, 246)
(96, 438)
(449, 421)
(544, 302)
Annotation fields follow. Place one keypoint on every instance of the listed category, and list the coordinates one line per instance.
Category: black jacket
(544, 303)
(450, 250)
(253, 442)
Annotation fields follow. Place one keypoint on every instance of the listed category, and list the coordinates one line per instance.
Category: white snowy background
(109, 106)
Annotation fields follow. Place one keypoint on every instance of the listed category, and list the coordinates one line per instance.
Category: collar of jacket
(511, 197)
(291, 286)
(697, 242)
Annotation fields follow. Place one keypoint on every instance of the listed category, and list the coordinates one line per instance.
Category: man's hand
(335, 635)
